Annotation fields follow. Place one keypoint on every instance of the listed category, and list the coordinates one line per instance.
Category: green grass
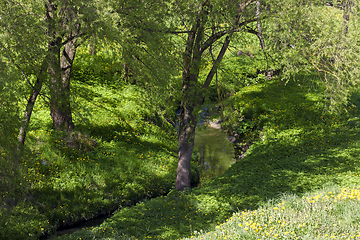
(133, 159)
(301, 149)
(330, 213)
(297, 148)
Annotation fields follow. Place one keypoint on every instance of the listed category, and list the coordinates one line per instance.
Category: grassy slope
(133, 159)
(302, 152)
(301, 149)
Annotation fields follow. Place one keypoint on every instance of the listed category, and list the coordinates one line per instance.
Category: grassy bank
(329, 213)
(121, 153)
(301, 148)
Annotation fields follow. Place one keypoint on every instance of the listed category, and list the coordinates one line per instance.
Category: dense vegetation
(283, 77)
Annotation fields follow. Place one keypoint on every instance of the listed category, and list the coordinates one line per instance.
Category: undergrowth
(128, 157)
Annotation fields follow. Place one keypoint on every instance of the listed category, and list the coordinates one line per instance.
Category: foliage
(310, 37)
(128, 144)
(243, 65)
(250, 110)
(101, 68)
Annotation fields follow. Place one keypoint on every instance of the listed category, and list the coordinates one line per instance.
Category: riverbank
(297, 154)
(211, 163)
(134, 159)
(240, 143)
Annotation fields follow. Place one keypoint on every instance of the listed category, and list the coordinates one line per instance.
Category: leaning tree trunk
(192, 95)
(187, 118)
(30, 105)
(187, 128)
(192, 99)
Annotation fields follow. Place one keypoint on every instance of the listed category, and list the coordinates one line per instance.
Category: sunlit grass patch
(331, 213)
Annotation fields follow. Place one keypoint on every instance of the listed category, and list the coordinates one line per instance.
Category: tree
(296, 37)
(317, 38)
(212, 21)
(21, 29)
(61, 35)
(41, 38)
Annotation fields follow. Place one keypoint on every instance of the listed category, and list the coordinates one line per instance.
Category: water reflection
(216, 152)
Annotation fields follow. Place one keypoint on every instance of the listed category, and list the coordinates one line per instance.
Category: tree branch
(72, 38)
(216, 63)
(17, 66)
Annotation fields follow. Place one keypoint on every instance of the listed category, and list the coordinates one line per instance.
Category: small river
(216, 153)
(88, 224)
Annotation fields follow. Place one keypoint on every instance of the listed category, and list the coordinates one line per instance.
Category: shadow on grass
(302, 151)
(121, 171)
(116, 175)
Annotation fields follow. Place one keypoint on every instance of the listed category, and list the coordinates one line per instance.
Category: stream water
(216, 154)
(88, 224)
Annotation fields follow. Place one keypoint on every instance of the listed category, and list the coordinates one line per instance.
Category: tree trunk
(59, 91)
(30, 105)
(187, 118)
(187, 128)
(60, 69)
(192, 97)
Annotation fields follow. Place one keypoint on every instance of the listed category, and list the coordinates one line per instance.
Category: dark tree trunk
(59, 90)
(60, 68)
(186, 146)
(188, 121)
(187, 118)
(62, 111)
(192, 96)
